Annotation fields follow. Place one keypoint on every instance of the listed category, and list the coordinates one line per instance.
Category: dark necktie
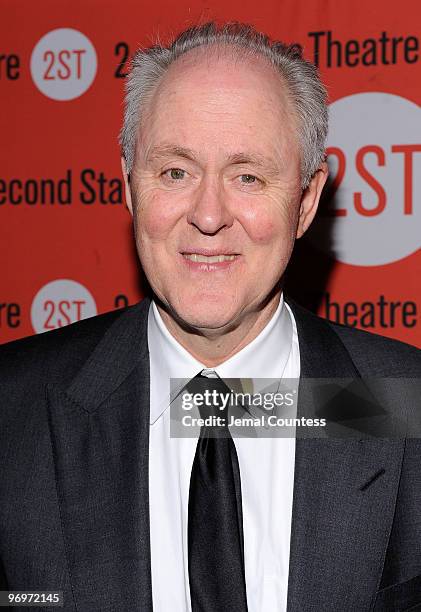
(215, 530)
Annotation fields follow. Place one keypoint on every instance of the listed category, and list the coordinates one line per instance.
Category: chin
(206, 315)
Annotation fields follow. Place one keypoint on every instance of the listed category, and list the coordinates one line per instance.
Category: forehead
(224, 94)
(219, 65)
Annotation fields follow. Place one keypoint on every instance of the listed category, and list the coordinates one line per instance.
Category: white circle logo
(374, 152)
(59, 303)
(63, 64)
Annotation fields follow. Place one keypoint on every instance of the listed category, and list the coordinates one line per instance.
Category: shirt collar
(264, 357)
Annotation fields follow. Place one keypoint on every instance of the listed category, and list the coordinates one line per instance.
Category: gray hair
(306, 91)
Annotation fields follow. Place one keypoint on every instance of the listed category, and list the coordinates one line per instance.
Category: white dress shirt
(266, 469)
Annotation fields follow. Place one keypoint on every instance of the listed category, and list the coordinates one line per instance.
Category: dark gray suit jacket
(74, 510)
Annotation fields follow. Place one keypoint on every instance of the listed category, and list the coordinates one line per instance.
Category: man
(223, 157)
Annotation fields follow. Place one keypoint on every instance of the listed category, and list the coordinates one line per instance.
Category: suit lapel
(344, 495)
(100, 436)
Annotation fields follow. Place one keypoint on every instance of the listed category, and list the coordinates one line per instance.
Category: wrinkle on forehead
(211, 73)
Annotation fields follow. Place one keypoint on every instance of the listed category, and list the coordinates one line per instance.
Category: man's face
(216, 189)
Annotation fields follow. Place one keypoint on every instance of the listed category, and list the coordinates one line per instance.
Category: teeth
(205, 259)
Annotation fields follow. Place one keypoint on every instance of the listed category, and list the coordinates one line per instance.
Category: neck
(213, 348)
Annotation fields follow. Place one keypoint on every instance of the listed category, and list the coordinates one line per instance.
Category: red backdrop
(62, 211)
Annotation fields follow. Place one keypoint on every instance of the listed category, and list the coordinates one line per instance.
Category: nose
(209, 211)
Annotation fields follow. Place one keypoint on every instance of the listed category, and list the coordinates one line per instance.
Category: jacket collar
(122, 348)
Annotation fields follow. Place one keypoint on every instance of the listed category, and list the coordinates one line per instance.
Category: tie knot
(212, 398)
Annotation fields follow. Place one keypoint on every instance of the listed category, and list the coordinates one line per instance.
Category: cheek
(268, 225)
(156, 216)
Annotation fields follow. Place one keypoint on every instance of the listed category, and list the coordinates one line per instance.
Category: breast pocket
(402, 597)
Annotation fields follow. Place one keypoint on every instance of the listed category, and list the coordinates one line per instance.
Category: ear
(127, 190)
(310, 199)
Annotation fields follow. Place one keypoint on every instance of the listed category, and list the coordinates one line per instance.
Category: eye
(175, 174)
(248, 179)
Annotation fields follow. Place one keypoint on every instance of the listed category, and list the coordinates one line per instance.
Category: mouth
(210, 261)
(199, 258)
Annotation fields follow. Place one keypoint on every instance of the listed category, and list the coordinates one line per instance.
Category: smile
(198, 258)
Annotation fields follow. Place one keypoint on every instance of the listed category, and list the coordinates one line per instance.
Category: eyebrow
(167, 150)
(256, 159)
